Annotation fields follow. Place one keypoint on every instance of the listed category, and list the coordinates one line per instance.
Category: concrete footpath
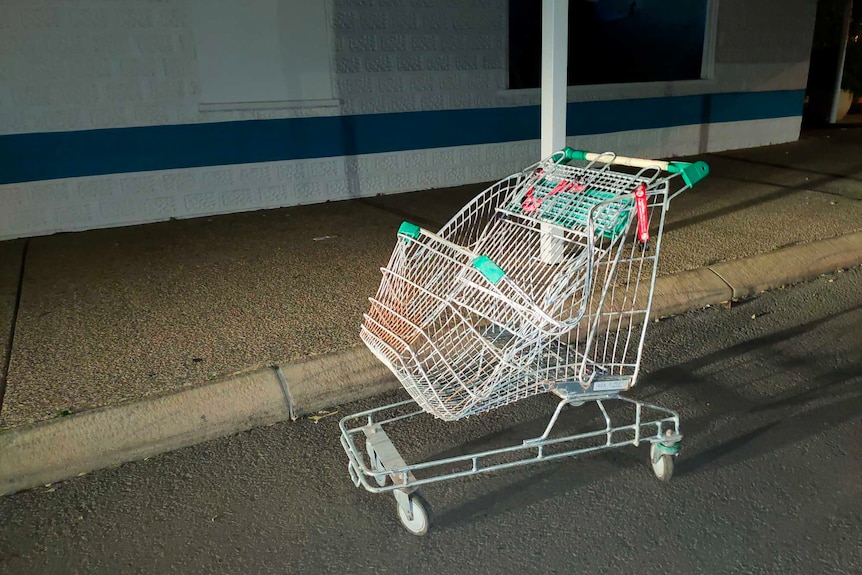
(128, 342)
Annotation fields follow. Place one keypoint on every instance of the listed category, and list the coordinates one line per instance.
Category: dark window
(612, 41)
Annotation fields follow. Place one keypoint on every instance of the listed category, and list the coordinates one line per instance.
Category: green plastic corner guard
(571, 154)
(408, 229)
(489, 269)
(566, 155)
(691, 173)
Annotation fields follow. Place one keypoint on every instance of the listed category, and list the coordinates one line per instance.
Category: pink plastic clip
(531, 204)
(643, 220)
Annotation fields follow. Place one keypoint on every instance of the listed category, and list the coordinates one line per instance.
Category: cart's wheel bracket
(403, 498)
(376, 464)
(662, 448)
(662, 463)
(413, 512)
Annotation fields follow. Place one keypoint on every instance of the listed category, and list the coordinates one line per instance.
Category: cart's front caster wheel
(376, 464)
(661, 457)
(417, 520)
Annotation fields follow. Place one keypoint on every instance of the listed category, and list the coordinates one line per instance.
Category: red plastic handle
(643, 220)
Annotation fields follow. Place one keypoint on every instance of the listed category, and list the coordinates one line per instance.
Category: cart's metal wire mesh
(570, 307)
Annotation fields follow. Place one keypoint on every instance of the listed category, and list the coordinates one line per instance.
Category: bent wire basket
(542, 283)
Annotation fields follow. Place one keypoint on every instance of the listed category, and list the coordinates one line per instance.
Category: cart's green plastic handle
(492, 272)
(563, 157)
(691, 173)
(409, 230)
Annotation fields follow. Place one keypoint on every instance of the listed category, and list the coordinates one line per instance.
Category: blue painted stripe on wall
(44, 156)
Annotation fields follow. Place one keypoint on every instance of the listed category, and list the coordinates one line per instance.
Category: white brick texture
(93, 64)
(73, 66)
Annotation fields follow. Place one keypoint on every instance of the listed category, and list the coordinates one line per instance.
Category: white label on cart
(610, 385)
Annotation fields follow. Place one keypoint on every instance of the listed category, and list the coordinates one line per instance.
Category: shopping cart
(542, 284)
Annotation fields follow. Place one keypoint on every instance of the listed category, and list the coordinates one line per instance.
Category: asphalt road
(770, 394)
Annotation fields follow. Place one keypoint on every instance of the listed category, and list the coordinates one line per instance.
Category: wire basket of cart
(542, 283)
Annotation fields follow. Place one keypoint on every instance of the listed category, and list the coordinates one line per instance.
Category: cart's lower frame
(381, 467)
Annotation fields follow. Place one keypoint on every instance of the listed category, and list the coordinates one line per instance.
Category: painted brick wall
(402, 55)
(753, 52)
(88, 64)
(95, 64)
(39, 208)
(98, 64)
(749, 31)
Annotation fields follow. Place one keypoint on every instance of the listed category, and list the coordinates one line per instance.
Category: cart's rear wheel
(662, 463)
(376, 464)
(418, 519)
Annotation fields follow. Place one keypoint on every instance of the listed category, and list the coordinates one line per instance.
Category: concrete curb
(750, 276)
(51, 451)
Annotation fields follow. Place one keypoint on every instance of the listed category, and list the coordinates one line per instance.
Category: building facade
(124, 112)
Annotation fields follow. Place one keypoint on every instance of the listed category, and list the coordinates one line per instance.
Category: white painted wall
(98, 64)
(275, 51)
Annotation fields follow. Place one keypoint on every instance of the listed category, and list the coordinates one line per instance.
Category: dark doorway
(823, 69)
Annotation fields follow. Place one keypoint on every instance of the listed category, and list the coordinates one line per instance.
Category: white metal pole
(842, 51)
(555, 47)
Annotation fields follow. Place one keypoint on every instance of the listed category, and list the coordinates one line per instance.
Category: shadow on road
(737, 426)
